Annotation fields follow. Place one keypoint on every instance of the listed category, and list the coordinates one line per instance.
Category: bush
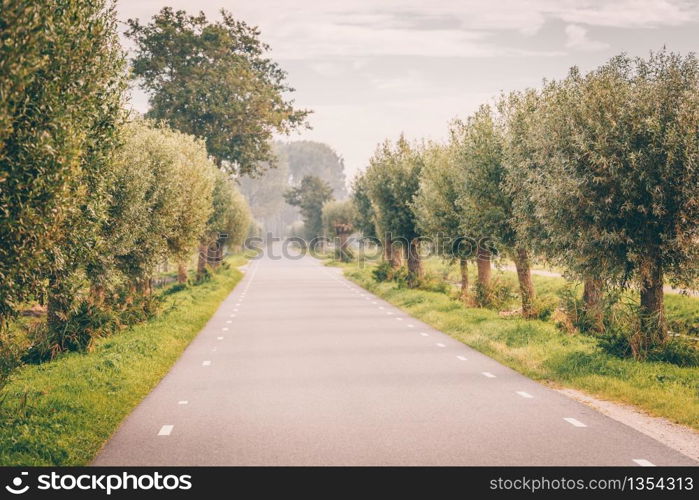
(496, 296)
(627, 335)
(544, 307)
(382, 272)
(433, 284)
(11, 350)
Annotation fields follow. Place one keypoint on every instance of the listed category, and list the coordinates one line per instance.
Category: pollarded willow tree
(62, 84)
(215, 81)
(364, 216)
(338, 225)
(486, 204)
(438, 211)
(621, 188)
(228, 224)
(145, 225)
(393, 180)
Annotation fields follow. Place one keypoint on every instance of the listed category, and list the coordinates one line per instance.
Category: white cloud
(576, 38)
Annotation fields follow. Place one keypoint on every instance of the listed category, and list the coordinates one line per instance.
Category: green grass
(61, 412)
(539, 350)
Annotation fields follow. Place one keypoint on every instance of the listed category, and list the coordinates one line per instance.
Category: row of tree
(91, 199)
(597, 173)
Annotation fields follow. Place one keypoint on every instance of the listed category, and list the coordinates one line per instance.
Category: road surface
(301, 367)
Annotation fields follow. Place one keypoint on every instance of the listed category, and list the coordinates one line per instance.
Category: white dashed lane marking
(525, 394)
(424, 334)
(439, 344)
(643, 462)
(574, 422)
(206, 363)
(462, 358)
(488, 374)
(183, 402)
(165, 430)
(219, 338)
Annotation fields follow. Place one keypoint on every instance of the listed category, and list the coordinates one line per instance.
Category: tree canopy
(214, 80)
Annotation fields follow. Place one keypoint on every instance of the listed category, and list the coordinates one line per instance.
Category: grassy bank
(541, 351)
(61, 412)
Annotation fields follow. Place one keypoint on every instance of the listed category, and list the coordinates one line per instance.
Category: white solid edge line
(525, 394)
(572, 421)
(206, 363)
(165, 430)
(462, 358)
(643, 462)
(488, 374)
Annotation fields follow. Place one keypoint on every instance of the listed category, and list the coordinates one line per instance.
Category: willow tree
(194, 191)
(393, 180)
(62, 84)
(228, 224)
(438, 210)
(146, 201)
(364, 216)
(621, 188)
(338, 224)
(487, 201)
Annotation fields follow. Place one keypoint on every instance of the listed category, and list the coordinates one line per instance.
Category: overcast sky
(371, 69)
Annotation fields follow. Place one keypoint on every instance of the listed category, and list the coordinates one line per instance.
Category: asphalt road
(301, 367)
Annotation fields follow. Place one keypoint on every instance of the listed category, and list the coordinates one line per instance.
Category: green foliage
(496, 296)
(616, 184)
(338, 218)
(214, 81)
(382, 272)
(436, 205)
(310, 196)
(364, 216)
(393, 180)
(61, 90)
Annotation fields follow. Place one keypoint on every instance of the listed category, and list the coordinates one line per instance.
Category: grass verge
(542, 352)
(61, 412)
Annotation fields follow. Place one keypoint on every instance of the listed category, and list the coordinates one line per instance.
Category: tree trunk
(390, 254)
(463, 267)
(54, 308)
(592, 297)
(202, 260)
(653, 321)
(181, 272)
(414, 263)
(344, 257)
(526, 287)
(483, 263)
